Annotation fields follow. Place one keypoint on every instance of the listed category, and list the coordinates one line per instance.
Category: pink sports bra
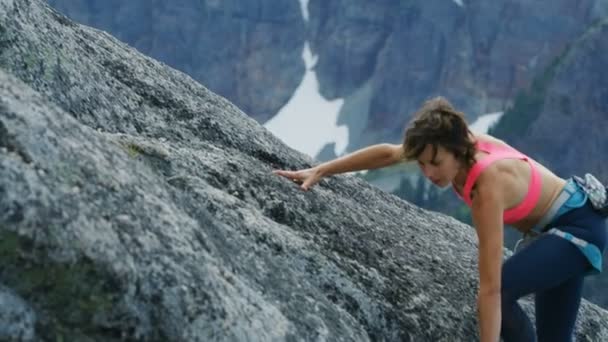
(495, 153)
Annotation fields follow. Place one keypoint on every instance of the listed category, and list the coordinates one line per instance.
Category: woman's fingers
(287, 174)
(307, 179)
(284, 173)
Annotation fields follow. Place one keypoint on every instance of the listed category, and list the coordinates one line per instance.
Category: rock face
(135, 204)
(248, 51)
(17, 319)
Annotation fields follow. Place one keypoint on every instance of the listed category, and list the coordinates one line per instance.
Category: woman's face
(442, 169)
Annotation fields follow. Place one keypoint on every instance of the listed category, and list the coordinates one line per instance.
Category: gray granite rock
(17, 319)
(135, 204)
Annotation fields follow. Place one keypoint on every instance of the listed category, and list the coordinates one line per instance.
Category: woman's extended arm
(371, 157)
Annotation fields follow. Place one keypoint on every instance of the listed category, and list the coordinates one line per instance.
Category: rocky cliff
(135, 204)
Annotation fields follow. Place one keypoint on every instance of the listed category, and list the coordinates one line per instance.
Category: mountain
(478, 55)
(135, 204)
(562, 119)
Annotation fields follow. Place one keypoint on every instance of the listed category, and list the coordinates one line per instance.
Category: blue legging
(553, 269)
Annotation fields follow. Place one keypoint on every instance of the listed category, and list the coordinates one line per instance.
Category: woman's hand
(307, 177)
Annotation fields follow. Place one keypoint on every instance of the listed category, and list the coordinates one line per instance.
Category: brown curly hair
(438, 123)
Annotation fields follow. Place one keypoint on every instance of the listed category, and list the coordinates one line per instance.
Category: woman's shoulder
(495, 170)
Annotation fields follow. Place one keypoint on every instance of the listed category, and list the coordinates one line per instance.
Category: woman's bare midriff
(552, 185)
